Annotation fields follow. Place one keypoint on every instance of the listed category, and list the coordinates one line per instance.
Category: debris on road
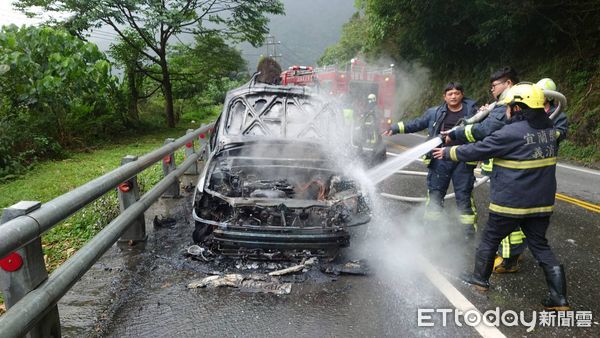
(198, 251)
(295, 268)
(275, 277)
(231, 279)
(248, 283)
(163, 221)
(350, 268)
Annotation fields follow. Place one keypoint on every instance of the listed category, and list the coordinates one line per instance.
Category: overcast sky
(307, 28)
(10, 16)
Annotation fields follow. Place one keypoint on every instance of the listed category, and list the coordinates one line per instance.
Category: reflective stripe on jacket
(478, 131)
(523, 182)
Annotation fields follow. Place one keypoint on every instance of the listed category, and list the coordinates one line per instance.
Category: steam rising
(396, 238)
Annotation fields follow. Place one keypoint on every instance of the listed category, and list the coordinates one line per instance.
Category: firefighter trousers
(441, 172)
(498, 227)
(513, 244)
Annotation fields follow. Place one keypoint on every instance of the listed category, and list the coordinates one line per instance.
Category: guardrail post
(24, 270)
(203, 140)
(129, 193)
(208, 135)
(189, 150)
(168, 165)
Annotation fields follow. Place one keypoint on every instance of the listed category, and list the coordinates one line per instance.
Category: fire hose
(480, 115)
(485, 111)
(478, 182)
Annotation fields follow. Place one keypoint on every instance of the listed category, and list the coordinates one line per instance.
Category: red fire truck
(353, 82)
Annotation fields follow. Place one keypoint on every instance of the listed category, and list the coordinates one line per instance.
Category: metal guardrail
(31, 295)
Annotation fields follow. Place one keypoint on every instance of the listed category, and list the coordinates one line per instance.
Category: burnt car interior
(271, 185)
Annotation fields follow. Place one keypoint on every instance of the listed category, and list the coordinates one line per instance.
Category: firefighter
(501, 81)
(369, 122)
(560, 121)
(441, 172)
(522, 189)
(512, 247)
(347, 109)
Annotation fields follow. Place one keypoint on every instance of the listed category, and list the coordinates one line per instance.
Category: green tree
(56, 91)
(157, 23)
(130, 59)
(467, 39)
(446, 34)
(351, 42)
(208, 61)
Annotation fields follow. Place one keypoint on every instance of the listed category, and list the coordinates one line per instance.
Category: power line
(102, 38)
(109, 34)
(271, 42)
(292, 52)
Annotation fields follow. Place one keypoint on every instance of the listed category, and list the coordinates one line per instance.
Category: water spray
(388, 168)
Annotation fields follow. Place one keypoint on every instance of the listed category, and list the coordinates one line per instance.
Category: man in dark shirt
(436, 119)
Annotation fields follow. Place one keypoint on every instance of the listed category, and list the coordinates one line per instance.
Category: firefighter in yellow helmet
(523, 187)
(371, 146)
(560, 121)
(512, 247)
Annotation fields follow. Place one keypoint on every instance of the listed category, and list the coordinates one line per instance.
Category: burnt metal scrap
(249, 283)
(356, 267)
(267, 276)
(269, 186)
(255, 281)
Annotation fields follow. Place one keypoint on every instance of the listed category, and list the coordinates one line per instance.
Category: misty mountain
(306, 29)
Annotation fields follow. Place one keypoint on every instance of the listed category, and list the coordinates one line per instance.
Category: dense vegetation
(466, 40)
(58, 92)
(149, 28)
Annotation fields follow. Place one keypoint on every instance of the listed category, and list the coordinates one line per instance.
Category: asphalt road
(142, 291)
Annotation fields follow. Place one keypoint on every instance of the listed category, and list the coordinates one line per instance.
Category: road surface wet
(135, 291)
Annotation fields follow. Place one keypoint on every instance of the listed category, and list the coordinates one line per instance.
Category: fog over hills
(306, 29)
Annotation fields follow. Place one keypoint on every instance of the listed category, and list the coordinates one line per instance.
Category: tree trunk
(133, 116)
(168, 92)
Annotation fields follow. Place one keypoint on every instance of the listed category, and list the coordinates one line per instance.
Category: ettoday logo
(497, 318)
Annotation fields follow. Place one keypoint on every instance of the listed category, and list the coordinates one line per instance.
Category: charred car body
(269, 185)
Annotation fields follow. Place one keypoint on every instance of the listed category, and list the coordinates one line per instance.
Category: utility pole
(272, 51)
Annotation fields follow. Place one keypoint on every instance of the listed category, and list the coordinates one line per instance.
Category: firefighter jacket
(523, 182)
(432, 119)
(478, 131)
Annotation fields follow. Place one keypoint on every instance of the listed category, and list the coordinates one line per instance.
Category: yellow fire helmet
(527, 93)
(547, 83)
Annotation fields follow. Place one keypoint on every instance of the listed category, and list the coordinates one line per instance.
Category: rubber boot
(557, 284)
(507, 265)
(480, 278)
(469, 232)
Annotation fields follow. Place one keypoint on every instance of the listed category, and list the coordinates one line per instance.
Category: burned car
(271, 183)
